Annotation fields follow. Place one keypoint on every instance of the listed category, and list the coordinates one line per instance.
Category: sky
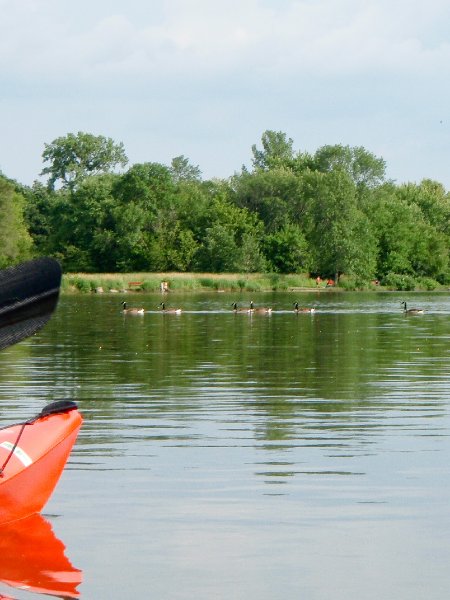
(205, 79)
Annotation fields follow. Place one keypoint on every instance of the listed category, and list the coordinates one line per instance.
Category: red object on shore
(32, 458)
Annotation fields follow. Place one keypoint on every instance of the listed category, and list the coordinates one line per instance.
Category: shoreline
(110, 283)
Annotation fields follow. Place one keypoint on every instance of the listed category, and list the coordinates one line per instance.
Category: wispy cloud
(203, 70)
(44, 38)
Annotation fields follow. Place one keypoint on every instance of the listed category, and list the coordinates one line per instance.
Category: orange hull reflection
(33, 559)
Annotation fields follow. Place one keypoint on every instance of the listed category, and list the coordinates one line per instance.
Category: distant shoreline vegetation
(231, 282)
(332, 213)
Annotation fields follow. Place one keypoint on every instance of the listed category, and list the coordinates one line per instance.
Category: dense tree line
(330, 213)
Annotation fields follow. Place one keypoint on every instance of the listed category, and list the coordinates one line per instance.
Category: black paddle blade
(28, 296)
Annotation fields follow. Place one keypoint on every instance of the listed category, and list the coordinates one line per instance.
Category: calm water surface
(248, 457)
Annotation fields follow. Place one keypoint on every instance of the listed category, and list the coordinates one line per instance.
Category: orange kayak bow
(32, 458)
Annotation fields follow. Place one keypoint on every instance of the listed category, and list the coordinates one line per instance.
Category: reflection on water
(33, 559)
(227, 455)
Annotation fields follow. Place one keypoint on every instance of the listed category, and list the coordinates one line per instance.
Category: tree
(76, 227)
(340, 236)
(432, 200)
(251, 258)
(15, 241)
(231, 239)
(40, 210)
(172, 247)
(92, 224)
(146, 200)
(287, 250)
(74, 157)
(182, 170)
(277, 151)
(408, 244)
(364, 168)
(149, 185)
(132, 237)
(275, 195)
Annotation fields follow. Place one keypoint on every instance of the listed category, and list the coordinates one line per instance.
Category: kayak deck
(33, 455)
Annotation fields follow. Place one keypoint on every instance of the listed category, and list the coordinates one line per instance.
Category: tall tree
(41, 216)
(433, 201)
(146, 195)
(276, 151)
(182, 170)
(148, 184)
(339, 234)
(408, 244)
(275, 195)
(287, 250)
(364, 168)
(15, 241)
(231, 239)
(73, 157)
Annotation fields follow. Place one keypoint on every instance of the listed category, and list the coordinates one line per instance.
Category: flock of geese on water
(251, 309)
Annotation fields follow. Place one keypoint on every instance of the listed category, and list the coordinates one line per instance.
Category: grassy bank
(195, 282)
(151, 282)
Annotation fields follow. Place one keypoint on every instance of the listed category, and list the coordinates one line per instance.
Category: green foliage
(151, 285)
(75, 259)
(40, 213)
(250, 259)
(15, 241)
(145, 219)
(74, 157)
(426, 283)
(299, 281)
(408, 241)
(219, 284)
(231, 239)
(82, 285)
(361, 166)
(287, 250)
(330, 213)
(338, 233)
(149, 185)
(227, 284)
(220, 249)
(172, 248)
(182, 170)
(398, 281)
(255, 286)
(277, 151)
(432, 200)
(353, 283)
(277, 283)
(183, 284)
(275, 195)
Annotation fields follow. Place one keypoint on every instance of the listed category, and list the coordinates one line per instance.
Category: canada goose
(412, 311)
(174, 311)
(300, 309)
(131, 311)
(236, 309)
(261, 310)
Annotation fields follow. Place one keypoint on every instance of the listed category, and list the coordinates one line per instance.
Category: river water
(256, 457)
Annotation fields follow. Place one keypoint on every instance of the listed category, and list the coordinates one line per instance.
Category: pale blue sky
(205, 79)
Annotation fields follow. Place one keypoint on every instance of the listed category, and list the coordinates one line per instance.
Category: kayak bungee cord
(13, 447)
(60, 406)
